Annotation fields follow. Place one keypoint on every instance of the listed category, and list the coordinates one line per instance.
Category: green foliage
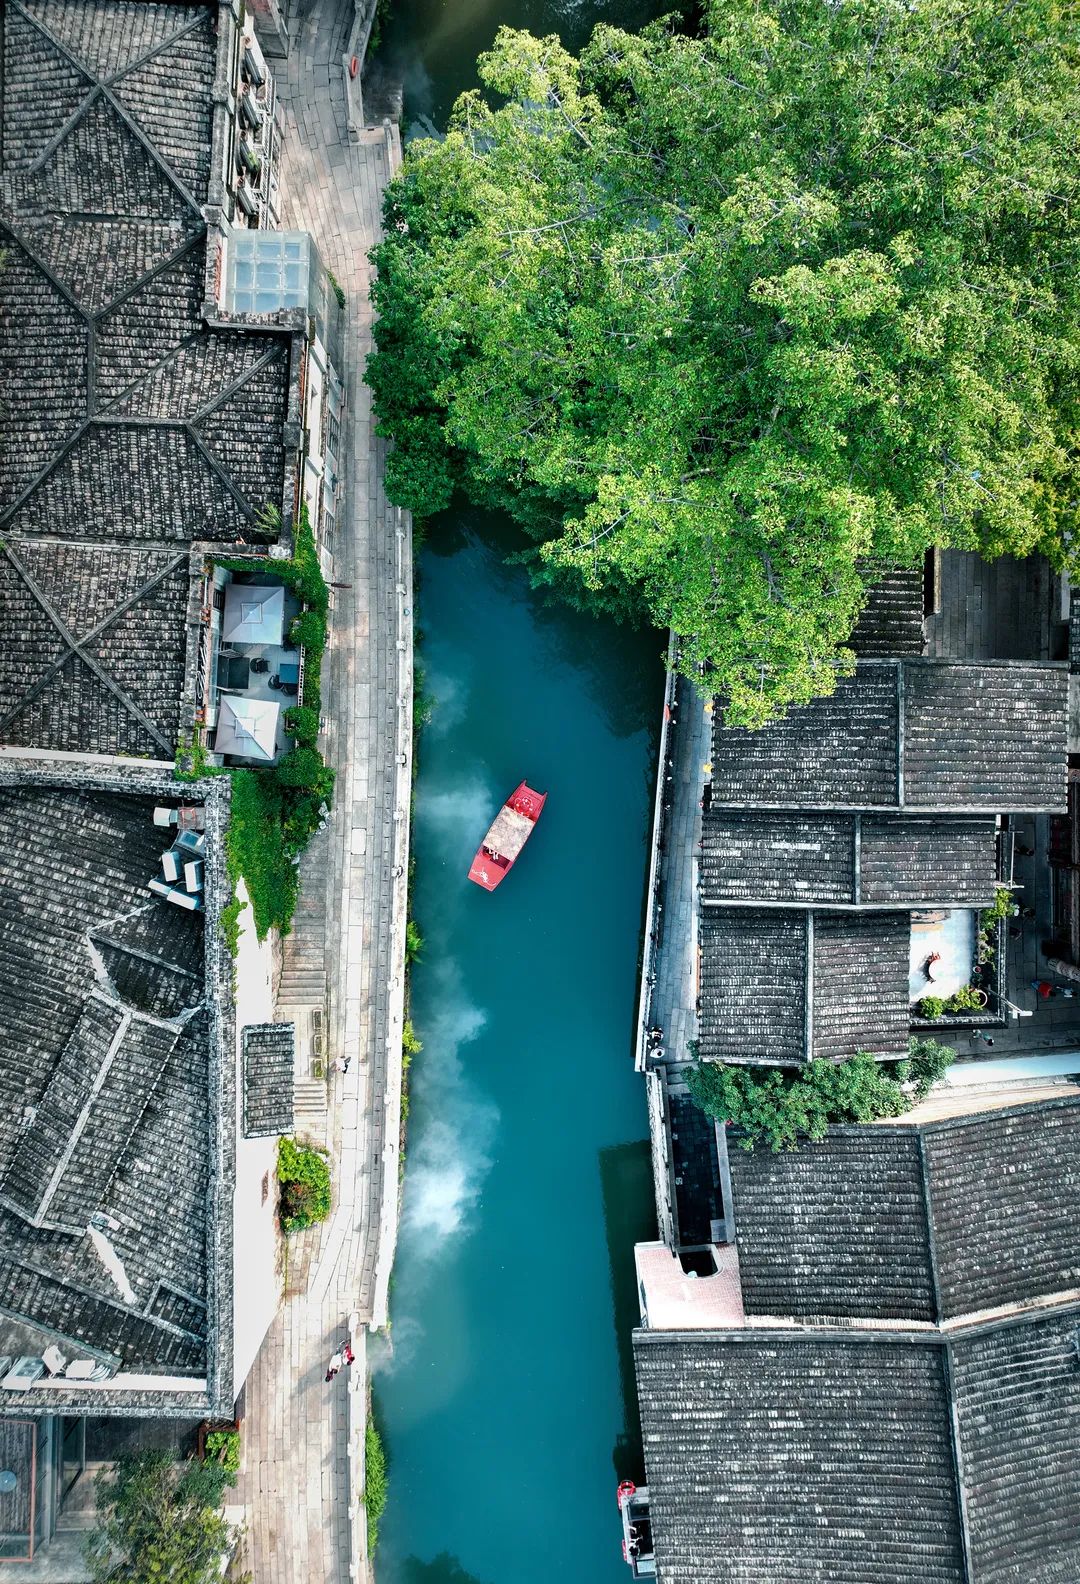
(304, 1175)
(928, 1061)
(309, 630)
(414, 943)
(257, 849)
(376, 1483)
(158, 1519)
(931, 1007)
(966, 999)
(729, 322)
(779, 1106)
(337, 289)
(1004, 906)
(302, 723)
(301, 767)
(409, 1042)
(223, 1446)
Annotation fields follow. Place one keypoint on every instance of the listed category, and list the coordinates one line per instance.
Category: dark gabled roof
(133, 429)
(891, 622)
(816, 858)
(914, 861)
(269, 1060)
(774, 857)
(835, 1228)
(1017, 1395)
(838, 750)
(753, 987)
(912, 734)
(760, 971)
(919, 1223)
(827, 1456)
(106, 1109)
(1003, 1190)
(814, 1461)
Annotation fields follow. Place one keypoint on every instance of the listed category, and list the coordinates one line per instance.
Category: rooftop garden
(276, 809)
(780, 1107)
(971, 999)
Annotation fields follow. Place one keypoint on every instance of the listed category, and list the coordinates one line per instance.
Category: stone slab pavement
(299, 1500)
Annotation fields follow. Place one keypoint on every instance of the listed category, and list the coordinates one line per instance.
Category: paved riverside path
(295, 1485)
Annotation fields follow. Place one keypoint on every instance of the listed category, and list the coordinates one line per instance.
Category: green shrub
(302, 722)
(256, 849)
(967, 998)
(304, 1175)
(1004, 906)
(159, 1519)
(779, 1107)
(223, 1446)
(414, 942)
(376, 1483)
(309, 630)
(338, 290)
(299, 768)
(931, 1007)
(409, 1042)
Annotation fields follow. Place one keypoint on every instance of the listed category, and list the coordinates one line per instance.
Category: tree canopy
(160, 1519)
(731, 322)
(781, 1107)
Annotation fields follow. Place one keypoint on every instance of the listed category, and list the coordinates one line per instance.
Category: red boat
(510, 830)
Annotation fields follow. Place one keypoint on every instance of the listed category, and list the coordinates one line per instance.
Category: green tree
(159, 1519)
(780, 1106)
(729, 323)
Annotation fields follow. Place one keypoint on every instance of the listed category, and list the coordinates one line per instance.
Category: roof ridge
(105, 92)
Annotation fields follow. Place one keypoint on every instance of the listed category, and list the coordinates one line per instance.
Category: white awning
(247, 726)
(254, 613)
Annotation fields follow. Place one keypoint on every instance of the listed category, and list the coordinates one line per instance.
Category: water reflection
(432, 45)
(629, 1218)
(445, 1569)
(604, 656)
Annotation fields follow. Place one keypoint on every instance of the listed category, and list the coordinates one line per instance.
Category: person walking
(336, 1361)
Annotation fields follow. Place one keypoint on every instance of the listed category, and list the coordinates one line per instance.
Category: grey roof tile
(891, 622)
(1003, 1189)
(269, 1052)
(860, 979)
(909, 860)
(836, 1228)
(797, 1459)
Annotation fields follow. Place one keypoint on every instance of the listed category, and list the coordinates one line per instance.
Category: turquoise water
(506, 1401)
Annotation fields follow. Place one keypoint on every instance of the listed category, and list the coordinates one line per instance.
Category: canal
(506, 1398)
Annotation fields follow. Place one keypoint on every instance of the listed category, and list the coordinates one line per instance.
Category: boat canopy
(509, 832)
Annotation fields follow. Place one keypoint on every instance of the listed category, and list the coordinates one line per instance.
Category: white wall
(256, 1285)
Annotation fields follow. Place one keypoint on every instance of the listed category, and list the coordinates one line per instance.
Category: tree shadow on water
(443, 1569)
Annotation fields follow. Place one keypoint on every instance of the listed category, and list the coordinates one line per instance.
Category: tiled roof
(912, 734)
(826, 1457)
(816, 858)
(835, 1228)
(812, 1461)
(1003, 1189)
(921, 1223)
(891, 622)
(104, 1087)
(1017, 1395)
(133, 429)
(269, 1061)
(761, 970)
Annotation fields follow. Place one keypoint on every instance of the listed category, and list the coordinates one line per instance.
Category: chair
(260, 665)
(290, 689)
(274, 682)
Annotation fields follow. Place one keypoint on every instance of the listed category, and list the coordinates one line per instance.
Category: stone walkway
(296, 1487)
